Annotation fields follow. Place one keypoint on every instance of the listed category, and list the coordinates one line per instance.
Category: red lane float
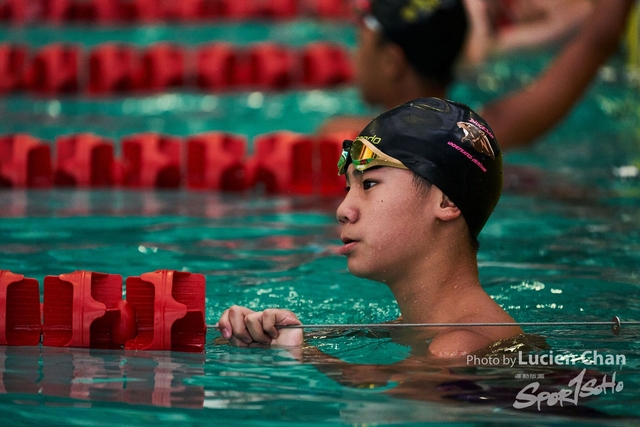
(164, 310)
(283, 163)
(25, 161)
(54, 70)
(85, 309)
(20, 317)
(264, 9)
(163, 67)
(84, 160)
(118, 68)
(272, 66)
(13, 62)
(215, 161)
(170, 308)
(151, 160)
(325, 64)
(216, 66)
(113, 67)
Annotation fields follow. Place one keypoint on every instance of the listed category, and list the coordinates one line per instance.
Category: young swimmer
(408, 49)
(422, 179)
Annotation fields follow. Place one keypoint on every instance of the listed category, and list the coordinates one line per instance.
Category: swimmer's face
(384, 219)
(367, 62)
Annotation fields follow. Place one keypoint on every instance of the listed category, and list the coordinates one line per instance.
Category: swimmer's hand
(244, 327)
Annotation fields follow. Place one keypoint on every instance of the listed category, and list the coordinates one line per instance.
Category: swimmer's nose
(346, 212)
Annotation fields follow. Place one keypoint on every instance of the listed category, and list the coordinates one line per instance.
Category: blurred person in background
(408, 49)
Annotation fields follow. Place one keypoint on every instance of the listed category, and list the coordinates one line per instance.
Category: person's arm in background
(554, 21)
(518, 119)
(561, 18)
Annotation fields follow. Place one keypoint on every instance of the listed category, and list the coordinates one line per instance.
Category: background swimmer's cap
(450, 146)
(431, 33)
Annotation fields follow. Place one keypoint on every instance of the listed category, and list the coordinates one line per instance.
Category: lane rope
(615, 323)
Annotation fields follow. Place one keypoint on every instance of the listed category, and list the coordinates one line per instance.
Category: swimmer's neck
(439, 291)
(410, 87)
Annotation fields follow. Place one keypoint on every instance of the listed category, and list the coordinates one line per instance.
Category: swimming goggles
(364, 155)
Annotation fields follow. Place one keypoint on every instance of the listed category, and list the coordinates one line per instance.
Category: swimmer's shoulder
(457, 343)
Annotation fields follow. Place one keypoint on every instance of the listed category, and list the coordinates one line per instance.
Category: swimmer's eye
(367, 184)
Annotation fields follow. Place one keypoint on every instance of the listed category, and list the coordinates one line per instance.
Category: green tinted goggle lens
(364, 155)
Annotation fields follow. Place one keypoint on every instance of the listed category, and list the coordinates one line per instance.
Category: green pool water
(563, 245)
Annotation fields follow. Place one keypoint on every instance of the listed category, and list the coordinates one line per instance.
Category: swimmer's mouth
(346, 240)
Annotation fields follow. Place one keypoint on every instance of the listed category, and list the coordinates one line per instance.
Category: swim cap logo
(477, 138)
(372, 139)
(412, 11)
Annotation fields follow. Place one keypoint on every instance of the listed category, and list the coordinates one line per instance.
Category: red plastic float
(84, 160)
(20, 317)
(325, 64)
(215, 161)
(191, 10)
(283, 163)
(57, 11)
(113, 68)
(12, 67)
(170, 307)
(151, 160)
(273, 66)
(25, 161)
(334, 9)
(140, 11)
(100, 11)
(216, 66)
(54, 69)
(85, 309)
(163, 67)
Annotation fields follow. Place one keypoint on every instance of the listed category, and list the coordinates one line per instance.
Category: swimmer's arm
(520, 118)
(244, 327)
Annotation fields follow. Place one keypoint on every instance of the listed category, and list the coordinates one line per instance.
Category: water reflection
(139, 378)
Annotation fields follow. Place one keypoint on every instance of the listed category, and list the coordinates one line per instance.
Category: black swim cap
(450, 146)
(431, 33)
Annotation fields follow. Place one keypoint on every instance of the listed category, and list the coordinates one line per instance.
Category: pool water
(563, 245)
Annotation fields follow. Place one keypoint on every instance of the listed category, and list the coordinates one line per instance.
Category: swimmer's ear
(448, 210)
(395, 61)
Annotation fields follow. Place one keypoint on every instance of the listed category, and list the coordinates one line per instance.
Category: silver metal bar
(615, 324)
